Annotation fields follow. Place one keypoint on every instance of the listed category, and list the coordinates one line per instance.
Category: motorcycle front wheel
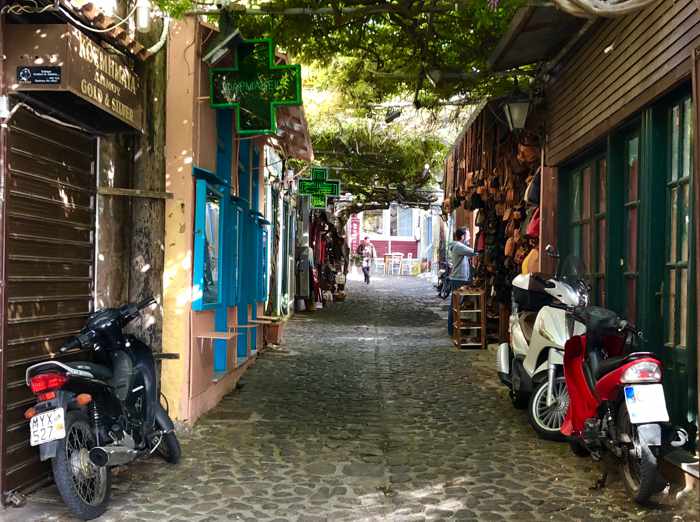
(547, 420)
(639, 467)
(84, 487)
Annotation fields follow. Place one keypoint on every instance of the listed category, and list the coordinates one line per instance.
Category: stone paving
(367, 413)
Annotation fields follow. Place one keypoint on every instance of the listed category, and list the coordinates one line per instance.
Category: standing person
(459, 254)
(368, 252)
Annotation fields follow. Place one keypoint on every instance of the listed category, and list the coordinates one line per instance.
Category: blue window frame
(208, 246)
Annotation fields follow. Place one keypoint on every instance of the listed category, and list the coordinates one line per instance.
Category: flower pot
(273, 333)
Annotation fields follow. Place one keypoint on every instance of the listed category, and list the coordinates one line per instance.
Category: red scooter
(616, 400)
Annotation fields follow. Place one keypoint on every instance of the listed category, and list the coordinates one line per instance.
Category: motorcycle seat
(612, 363)
(97, 370)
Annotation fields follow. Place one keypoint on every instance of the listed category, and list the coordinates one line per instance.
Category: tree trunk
(148, 215)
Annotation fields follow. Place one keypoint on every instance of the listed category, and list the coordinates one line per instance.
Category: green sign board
(319, 187)
(255, 87)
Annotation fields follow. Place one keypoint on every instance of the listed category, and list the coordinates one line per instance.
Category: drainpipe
(696, 211)
(4, 116)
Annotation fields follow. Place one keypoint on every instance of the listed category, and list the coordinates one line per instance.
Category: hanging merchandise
(476, 202)
(533, 227)
(531, 263)
(509, 249)
(532, 192)
(480, 241)
(528, 154)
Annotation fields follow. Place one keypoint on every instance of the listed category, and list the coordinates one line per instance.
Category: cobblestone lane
(370, 414)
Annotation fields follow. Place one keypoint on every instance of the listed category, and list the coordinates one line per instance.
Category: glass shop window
(208, 247)
(631, 269)
(678, 220)
(588, 217)
(400, 221)
(373, 221)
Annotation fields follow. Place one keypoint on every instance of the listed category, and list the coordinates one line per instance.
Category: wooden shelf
(217, 335)
(469, 315)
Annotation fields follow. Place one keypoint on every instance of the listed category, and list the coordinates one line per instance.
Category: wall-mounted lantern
(516, 109)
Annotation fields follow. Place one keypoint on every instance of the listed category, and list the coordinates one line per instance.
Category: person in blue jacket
(459, 254)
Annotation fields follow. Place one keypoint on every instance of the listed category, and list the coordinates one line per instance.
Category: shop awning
(535, 34)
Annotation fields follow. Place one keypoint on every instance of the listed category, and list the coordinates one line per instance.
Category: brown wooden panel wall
(50, 268)
(623, 65)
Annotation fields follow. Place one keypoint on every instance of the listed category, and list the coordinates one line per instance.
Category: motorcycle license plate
(646, 403)
(47, 426)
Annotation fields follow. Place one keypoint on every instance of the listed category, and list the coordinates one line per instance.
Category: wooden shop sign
(60, 57)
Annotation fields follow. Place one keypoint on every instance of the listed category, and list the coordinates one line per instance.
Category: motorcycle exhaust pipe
(112, 455)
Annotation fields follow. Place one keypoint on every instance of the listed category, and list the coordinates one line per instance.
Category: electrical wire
(18, 9)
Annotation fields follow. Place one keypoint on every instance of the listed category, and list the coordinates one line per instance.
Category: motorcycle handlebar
(146, 303)
(70, 344)
(79, 341)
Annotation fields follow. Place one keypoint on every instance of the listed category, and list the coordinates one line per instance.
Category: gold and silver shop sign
(59, 57)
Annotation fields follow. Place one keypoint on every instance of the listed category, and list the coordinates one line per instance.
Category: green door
(677, 290)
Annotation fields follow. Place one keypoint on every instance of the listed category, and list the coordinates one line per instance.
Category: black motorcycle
(91, 416)
(443, 282)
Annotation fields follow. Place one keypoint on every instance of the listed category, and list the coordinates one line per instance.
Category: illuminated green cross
(255, 87)
(319, 187)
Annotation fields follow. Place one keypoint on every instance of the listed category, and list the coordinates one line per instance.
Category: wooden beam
(134, 193)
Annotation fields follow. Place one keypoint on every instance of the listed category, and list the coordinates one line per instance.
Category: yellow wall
(177, 277)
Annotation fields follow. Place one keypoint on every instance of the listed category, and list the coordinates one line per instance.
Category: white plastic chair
(406, 265)
(379, 265)
(396, 262)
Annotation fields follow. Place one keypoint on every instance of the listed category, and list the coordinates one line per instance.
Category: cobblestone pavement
(368, 414)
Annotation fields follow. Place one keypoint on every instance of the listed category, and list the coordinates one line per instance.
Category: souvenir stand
(492, 187)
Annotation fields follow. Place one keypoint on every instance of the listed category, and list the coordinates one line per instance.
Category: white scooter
(531, 366)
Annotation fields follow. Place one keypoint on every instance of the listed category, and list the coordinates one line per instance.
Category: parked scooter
(617, 401)
(531, 366)
(443, 283)
(91, 416)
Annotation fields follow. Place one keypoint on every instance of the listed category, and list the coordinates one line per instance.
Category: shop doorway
(50, 269)
(676, 289)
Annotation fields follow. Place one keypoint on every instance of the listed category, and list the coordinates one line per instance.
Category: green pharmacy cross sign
(319, 187)
(255, 87)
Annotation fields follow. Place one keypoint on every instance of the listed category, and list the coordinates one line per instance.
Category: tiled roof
(120, 36)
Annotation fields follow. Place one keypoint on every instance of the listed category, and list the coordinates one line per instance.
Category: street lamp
(143, 15)
(516, 109)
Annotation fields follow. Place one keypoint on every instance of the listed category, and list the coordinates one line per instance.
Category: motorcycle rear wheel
(84, 487)
(640, 472)
(444, 291)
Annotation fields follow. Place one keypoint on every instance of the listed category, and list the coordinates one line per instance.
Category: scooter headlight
(645, 371)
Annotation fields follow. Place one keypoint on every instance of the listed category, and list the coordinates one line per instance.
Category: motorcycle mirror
(551, 251)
